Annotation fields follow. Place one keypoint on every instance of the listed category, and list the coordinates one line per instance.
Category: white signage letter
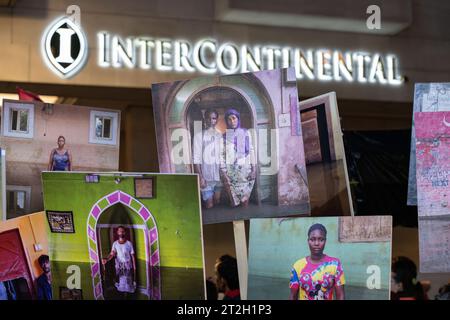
(200, 57)
(228, 58)
(65, 45)
(323, 60)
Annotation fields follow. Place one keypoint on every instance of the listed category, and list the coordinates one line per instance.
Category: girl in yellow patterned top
(317, 276)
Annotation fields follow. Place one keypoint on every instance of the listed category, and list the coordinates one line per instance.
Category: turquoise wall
(276, 244)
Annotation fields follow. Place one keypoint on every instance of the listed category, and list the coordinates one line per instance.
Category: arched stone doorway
(184, 104)
(151, 241)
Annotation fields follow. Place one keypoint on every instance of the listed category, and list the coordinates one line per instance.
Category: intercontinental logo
(64, 45)
(64, 48)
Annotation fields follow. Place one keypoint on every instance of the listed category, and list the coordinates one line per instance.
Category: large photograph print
(433, 190)
(124, 244)
(329, 186)
(41, 136)
(326, 258)
(428, 97)
(24, 263)
(242, 134)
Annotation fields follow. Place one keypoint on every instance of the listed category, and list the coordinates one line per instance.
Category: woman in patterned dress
(238, 165)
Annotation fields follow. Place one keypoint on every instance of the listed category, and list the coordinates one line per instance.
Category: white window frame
(114, 127)
(6, 121)
(26, 189)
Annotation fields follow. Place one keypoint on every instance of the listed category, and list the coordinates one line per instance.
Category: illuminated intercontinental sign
(64, 48)
(211, 57)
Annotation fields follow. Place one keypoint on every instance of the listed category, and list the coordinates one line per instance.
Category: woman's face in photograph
(61, 142)
(316, 242)
(211, 120)
(233, 121)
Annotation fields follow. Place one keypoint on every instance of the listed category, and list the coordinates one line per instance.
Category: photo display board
(242, 134)
(326, 166)
(355, 258)
(432, 131)
(126, 245)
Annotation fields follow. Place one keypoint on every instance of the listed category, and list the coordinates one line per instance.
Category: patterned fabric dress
(317, 281)
(236, 163)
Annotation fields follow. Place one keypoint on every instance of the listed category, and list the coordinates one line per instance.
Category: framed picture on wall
(92, 178)
(326, 165)
(144, 188)
(60, 221)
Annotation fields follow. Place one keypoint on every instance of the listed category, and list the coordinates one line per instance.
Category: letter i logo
(64, 45)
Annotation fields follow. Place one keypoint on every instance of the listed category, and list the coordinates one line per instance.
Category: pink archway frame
(151, 240)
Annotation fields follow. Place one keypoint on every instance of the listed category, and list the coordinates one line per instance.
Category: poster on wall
(24, 261)
(125, 245)
(432, 130)
(60, 221)
(428, 97)
(326, 166)
(53, 137)
(242, 134)
(320, 258)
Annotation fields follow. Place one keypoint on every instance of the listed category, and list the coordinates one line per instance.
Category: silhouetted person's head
(404, 276)
(211, 290)
(227, 273)
(44, 263)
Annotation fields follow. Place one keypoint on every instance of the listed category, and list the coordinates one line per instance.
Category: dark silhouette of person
(227, 277)
(404, 284)
(211, 290)
(44, 281)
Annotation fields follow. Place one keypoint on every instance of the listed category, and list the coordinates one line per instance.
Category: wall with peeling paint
(276, 244)
(27, 158)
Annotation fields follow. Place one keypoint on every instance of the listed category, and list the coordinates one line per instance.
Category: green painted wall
(175, 208)
(274, 247)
